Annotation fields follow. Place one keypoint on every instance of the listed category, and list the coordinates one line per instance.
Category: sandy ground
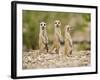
(36, 59)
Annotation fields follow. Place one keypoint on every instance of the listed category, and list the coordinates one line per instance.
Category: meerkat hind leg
(69, 53)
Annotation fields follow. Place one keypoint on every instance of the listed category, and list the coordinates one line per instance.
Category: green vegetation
(83, 46)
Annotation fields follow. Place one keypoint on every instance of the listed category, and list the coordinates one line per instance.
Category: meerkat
(58, 39)
(68, 41)
(43, 38)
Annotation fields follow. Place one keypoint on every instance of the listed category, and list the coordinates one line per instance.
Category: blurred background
(80, 23)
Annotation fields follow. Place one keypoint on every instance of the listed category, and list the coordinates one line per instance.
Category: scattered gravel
(35, 59)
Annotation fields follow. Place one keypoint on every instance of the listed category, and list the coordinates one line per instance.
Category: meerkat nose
(42, 27)
(57, 25)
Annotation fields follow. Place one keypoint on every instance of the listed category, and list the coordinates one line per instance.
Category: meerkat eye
(41, 24)
(55, 22)
(58, 22)
(68, 28)
(44, 24)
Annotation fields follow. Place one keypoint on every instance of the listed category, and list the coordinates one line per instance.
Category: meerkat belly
(41, 44)
(56, 41)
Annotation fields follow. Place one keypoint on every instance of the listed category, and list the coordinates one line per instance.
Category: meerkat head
(57, 23)
(42, 25)
(67, 28)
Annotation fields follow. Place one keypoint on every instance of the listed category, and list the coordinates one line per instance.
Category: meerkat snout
(57, 23)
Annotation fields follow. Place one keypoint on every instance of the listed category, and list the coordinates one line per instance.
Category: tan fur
(68, 41)
(57, 37)
(43, 38)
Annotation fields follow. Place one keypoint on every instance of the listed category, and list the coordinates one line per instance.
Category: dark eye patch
(41, 24)
(68, 28)
(55, 22)
(44, 24)
(58, 22)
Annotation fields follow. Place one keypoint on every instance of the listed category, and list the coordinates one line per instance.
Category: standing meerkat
(43, 38)
(68, 41)
(58, 39)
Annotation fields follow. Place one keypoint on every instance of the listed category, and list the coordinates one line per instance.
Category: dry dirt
(36, 59)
